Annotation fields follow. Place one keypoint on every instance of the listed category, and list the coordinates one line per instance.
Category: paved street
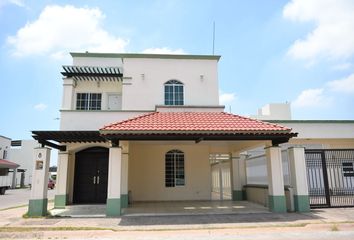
(17, 197)
(321, 224)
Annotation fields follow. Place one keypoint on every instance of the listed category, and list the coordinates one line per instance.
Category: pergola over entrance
(172, 126)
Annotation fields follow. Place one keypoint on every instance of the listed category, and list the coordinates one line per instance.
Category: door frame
(95, 149)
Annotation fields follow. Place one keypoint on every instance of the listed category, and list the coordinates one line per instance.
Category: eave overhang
(197, 136)
(59, 139)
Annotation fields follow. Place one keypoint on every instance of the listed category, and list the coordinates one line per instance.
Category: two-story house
(149, 127)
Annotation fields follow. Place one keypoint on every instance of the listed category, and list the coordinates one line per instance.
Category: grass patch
(20, 206)
(48, 215)
(31, 229)
(334, 228)
(23, 205)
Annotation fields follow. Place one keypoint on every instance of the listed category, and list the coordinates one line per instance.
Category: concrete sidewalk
(12, 218)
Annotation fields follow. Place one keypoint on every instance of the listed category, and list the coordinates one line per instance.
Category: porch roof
(196, 126)
(8, 164)
(174, 126)
(201, 122)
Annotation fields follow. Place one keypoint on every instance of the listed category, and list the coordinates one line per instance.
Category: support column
(238, 177)
(38, 202)
(299, 179)
(113, 207)
(277, 202)
(124, 187)
(61, 195)
(125, 169)
(14, 183)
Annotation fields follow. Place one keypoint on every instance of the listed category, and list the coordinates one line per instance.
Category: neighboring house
(149, 127)
(5, 144)
(6, 180)
(329, 153)
(22, 153)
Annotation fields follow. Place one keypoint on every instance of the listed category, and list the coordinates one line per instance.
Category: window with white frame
(88, 101)
(174, 168)
(174, 93)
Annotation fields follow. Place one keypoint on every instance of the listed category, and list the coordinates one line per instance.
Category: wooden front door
(91, 176)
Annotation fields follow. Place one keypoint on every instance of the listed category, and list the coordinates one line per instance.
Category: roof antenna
(213, 37)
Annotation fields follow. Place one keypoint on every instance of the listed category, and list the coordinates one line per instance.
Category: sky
(275, 51)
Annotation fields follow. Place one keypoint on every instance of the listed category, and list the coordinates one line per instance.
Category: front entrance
(91, 176)
(330, 177)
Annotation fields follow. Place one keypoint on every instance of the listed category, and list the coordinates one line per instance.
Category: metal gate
(330, 177)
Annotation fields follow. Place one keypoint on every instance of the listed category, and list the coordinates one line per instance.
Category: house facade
(149, 127)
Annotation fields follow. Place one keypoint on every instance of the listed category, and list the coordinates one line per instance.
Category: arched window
(174, 93)
(174, 168)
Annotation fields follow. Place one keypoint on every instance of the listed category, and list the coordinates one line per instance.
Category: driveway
(17, 197)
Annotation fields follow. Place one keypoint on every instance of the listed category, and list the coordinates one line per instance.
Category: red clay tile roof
(184, 122)
(7, 164)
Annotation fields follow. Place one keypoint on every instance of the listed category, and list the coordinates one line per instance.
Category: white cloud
(61, 29)
(227, 98)
(164, 50)
(333, 35)
(19, 3)
(40, 107)
(345, 85)
(311, 98)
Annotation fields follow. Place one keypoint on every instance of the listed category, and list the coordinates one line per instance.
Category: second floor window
(88, 101)
(174, 93)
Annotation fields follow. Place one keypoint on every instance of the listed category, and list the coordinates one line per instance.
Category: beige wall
(147, 173)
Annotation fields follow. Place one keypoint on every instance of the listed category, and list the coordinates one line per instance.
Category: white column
(299, 179)
(276, 192)
(14, 183)
(124, 187)
(125, 173)
(113, 207)
(61, 195)
(238, 176)
(38, 201)
(68, 91)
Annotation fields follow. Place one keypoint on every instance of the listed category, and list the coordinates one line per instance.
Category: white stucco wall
(97, 61)
(145, 92)
(274, 111)
(147, 173)
(321, 130)
(93, 120)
